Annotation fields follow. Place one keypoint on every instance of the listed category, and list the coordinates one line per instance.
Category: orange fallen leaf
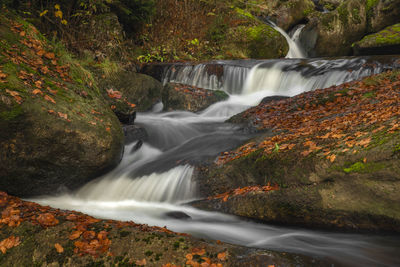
(48, 98)
(37, 91)
(222, 256)
(59, 248)
(50, 55)
(47, 219)
(8, 243)
(141, 262)
(75, 235)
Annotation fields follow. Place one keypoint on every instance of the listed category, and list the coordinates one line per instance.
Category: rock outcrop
(384, 42)
(57, 130)
(329, 159)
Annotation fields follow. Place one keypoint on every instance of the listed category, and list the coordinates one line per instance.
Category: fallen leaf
(8, 243)
(63, 115)
(37, 91)
(141, 262)
(75, 235)
(222, 256)
(48, 98)
(59, 248)
(50, 55)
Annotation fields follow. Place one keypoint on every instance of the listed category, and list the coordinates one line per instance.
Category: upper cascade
(295, 49)
(283, 77)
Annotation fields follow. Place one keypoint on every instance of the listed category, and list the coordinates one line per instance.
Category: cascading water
(156, 179)
(295, 49)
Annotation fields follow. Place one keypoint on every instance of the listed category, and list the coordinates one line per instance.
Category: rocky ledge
(328, 158)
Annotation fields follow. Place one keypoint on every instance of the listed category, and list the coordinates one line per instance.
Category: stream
(156, 179)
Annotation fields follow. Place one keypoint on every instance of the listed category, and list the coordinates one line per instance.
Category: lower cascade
(156, 179)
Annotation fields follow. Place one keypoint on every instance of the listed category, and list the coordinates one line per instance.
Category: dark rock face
(383, 13)
(332, 33)
(190, 98)
(287, 14)
(134, 133)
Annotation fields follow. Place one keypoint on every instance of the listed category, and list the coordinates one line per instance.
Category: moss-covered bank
(57, 129)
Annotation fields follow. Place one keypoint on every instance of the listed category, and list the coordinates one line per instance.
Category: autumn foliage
(326, 122)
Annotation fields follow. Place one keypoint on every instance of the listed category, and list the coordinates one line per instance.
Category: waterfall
(287, 77)
(295, 50)
(290, 78)
(220, 75)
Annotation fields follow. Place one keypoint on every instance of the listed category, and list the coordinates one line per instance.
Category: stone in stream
(133, 133)
(190, 98)
(177, 215)
(139, 89)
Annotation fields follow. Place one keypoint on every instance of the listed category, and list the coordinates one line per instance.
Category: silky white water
(156, 179)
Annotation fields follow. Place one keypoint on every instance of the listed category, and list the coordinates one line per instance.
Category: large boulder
(190, 98)
(386, 41)
(382, 13)
(124, 88)
(57, 130)
(250, 38)
(333, 33)
(322, 162)
(287, 14)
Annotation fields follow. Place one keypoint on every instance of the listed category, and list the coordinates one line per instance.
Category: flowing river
(156, 180)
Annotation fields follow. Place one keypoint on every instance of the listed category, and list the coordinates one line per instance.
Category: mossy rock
(142, 90)
(57, 128)
(254, 39)
(286, 14)
(189, 98)
(333, 33)
(386, 41)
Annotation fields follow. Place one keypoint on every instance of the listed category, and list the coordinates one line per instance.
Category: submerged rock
(134, 133)
(385, 42)
(56, 128)
(190, 98)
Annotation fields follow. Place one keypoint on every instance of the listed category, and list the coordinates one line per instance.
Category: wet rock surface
(190, 98)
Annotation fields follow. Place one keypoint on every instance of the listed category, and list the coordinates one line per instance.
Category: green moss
(343, 14)
(370, 5)
(12, 114)
(244, 13)
(355, 16)
(371, 94)
(360, 167)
